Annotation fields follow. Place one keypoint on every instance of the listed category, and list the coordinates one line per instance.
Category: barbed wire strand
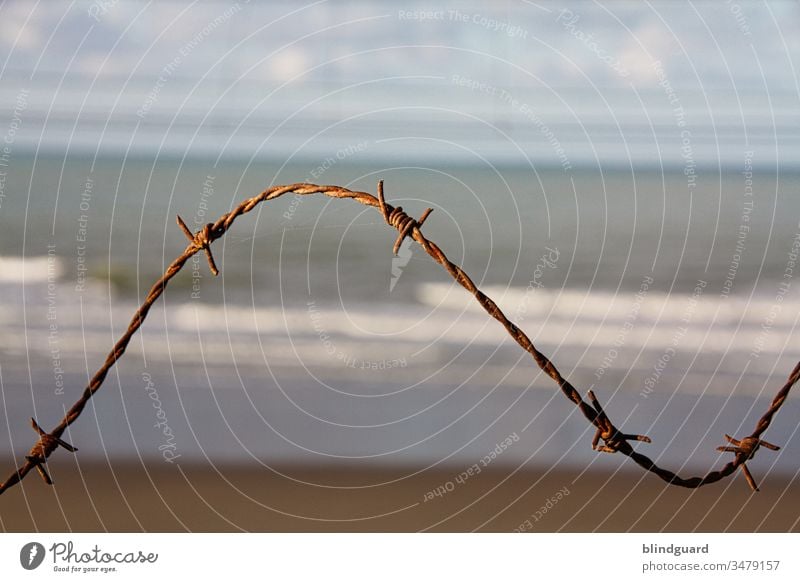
(614, 441)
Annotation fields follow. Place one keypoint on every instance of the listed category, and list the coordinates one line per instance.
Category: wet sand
(130, 497)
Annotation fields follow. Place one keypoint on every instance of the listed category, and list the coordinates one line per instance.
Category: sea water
(676, 304)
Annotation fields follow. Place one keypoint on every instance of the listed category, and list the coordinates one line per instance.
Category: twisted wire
(614, 440)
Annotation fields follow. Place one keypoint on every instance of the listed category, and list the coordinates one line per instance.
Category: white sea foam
(600, 335)
(29, 269)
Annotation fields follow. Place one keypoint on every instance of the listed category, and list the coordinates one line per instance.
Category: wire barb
(614, 440)
(43, 449)
(745, 450)
(201, 240)
(397, 218)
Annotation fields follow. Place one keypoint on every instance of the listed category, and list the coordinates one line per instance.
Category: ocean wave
(30, 269)
(700, 339)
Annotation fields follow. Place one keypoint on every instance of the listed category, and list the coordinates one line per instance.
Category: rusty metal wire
(614, 441)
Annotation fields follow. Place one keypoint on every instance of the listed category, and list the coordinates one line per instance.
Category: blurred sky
(310, 77)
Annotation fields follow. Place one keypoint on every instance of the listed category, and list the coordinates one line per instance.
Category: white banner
(401, 557)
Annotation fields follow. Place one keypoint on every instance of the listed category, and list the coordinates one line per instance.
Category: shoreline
(131, 497)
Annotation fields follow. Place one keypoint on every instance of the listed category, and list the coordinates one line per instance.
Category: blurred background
(621, 177)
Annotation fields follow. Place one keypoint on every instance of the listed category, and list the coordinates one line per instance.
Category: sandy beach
(159, 498)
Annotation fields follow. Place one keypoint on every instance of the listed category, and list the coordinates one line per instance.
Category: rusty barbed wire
(614, 441)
